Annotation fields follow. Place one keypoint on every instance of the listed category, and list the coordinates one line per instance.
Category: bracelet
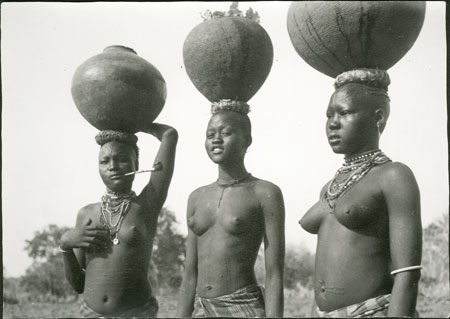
(64, 251)
(406, 269)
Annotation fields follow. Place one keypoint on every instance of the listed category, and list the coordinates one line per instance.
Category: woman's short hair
(239, 109)
(374, 81)
(106, 136)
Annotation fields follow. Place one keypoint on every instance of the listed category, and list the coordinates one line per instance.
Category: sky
(49, 155)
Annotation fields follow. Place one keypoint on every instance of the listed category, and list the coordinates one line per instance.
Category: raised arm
(272, 204)
(74, 242)
(157, 188)
(188, 286)
(405, 232)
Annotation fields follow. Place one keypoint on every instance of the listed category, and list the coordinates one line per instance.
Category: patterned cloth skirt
(148, 310)
(374, 307)
(246, 302)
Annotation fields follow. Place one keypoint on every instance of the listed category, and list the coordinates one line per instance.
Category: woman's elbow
(171, 134)
(78, 287)
(79, 290)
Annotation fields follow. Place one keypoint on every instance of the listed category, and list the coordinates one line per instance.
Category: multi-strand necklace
(351, 172)
(227, 184)
(113, 209)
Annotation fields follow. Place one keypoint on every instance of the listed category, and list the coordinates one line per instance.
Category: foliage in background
(45, 279)
(433, 300)
(169, 250)
(10, 287)
(434, 294)
(233, 12)
(298, 267)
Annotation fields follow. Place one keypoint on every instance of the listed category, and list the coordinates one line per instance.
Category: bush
(169, 250)
(298, 267)
(10, 287)
(433, 299)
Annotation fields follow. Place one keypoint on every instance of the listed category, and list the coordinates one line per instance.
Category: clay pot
(228, 58)
(118, 90)
(334, 37)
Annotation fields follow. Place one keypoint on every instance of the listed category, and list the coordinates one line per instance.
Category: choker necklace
(356, 168)
(224, 185)
(114, 204)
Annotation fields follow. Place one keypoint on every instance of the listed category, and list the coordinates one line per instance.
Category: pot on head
(118, 90)
(228, 58)
(334, 37)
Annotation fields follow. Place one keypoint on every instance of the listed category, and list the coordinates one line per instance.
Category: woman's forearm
(186, 297)
(274, 298)
(404, 294)
(75, 275)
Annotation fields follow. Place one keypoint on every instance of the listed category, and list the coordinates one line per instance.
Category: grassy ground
(297, 304)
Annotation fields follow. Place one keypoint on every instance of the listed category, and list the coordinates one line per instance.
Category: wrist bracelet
(64, 251)
(405, 269)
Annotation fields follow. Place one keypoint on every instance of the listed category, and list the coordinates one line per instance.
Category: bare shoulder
(197, 194)
(395, 173)
(265, 189)
(87, 211)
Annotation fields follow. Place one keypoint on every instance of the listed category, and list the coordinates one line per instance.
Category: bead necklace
(114, 204)
(224, 185)
(356, 168)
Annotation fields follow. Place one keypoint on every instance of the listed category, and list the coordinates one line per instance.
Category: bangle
(64, 251)
(406, 269)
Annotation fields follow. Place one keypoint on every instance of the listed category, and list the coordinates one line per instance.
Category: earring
(378, 128)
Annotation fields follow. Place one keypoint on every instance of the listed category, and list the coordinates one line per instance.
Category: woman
(227, 220)
(107, 254)
(368, 216)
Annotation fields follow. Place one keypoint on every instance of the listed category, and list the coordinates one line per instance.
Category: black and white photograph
(225, 159)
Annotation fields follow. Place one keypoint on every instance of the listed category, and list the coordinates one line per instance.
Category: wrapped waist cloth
(245, 302)
(374, 307)
(147, 310)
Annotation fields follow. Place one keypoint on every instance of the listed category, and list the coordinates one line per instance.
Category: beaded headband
(230, 105)
(106, 136)
(374, 78)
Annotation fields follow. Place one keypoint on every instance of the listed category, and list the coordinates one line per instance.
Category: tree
(169, 250)
(298, 267)
(45, 243)
(46, 275)
(433, 299)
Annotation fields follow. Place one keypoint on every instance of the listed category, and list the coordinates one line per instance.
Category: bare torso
(228, 237)
(352, 257)
(116, 277)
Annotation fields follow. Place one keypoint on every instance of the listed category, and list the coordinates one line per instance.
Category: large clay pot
(118, 90)
(334, 37)
(228, 58)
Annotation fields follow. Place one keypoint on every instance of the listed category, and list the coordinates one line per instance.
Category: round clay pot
(118, 90)
(228, 58)
(334, 37)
